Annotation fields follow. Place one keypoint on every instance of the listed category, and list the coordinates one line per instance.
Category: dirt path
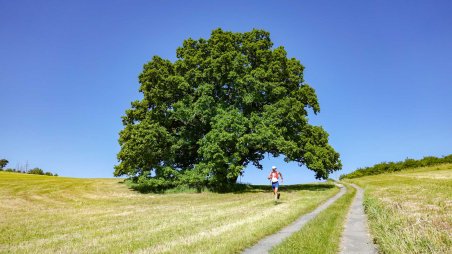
(264, 245)
(356, 237)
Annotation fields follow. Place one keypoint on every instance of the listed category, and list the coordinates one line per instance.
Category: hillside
(56, 214)
(409, 210)
(388, 167)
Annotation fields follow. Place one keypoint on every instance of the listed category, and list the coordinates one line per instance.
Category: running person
(273, 177)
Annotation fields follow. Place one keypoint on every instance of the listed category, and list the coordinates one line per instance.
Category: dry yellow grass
(42, 214)
(410, 211)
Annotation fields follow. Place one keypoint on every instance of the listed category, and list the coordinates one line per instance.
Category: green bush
(387, 167)
(147, 184)
(195, 179)
(36, 171)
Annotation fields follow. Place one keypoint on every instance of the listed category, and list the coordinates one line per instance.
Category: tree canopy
(226, 101)
(3, 163)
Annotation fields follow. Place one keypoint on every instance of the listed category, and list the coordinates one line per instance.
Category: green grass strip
(322, 234)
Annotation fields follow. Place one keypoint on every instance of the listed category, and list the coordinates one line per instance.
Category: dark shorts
(275, 185)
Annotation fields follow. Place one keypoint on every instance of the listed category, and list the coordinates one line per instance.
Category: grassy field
(42, 214)
(410, 211)
(322, 234)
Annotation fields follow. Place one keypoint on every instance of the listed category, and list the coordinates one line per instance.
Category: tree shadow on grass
(244, 188)
(236, 188)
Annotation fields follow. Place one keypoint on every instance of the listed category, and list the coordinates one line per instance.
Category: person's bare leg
(276, 193)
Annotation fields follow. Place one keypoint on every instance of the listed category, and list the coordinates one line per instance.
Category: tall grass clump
(397, 233)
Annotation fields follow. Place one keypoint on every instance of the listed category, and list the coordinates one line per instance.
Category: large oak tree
(224, 103)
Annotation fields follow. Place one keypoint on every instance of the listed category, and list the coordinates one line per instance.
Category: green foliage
(223, 104)
(36, 171)
(387, 167)
(3, 163)
(145, 184)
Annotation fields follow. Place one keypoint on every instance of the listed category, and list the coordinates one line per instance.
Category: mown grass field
(410, 211)
(42, 214)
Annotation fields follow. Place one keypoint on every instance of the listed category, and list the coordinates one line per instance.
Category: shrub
(36, 171)
(144, 184)
(387, 167)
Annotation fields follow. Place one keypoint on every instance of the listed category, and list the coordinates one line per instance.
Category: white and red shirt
(274, 175)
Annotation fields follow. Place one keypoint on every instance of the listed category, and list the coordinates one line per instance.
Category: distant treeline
(35, 171)
(386, 167)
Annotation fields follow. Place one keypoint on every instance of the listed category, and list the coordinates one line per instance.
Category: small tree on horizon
(3, 163)
(224, 103)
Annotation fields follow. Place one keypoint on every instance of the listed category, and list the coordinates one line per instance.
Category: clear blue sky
(382, 71)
